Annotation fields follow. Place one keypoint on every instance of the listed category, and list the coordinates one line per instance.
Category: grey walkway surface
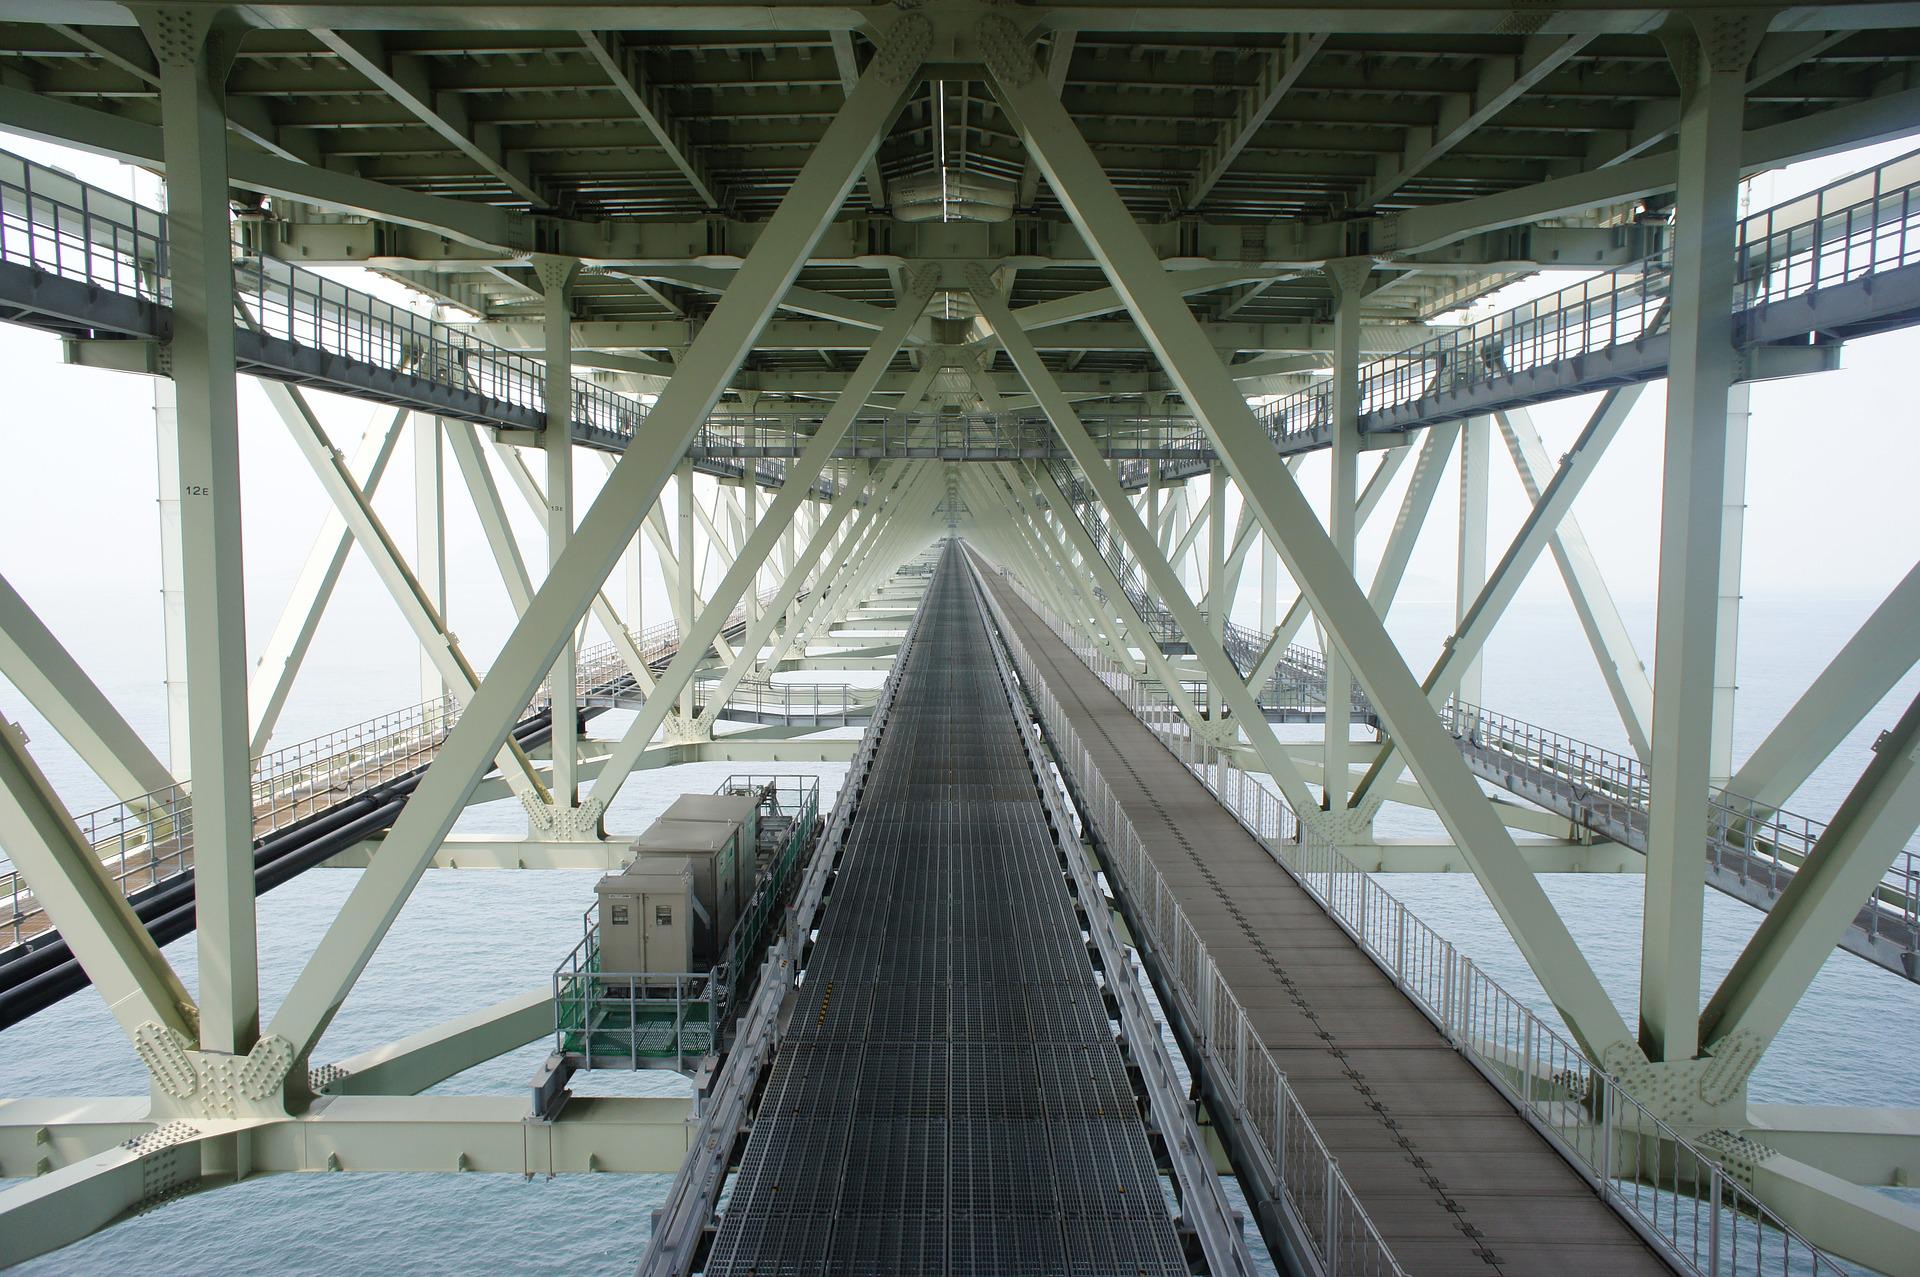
(949, 1098)
(1456, 1181)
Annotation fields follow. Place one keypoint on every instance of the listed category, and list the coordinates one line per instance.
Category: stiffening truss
(800, 302)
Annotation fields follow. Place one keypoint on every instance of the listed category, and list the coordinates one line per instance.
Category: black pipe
(43, 975)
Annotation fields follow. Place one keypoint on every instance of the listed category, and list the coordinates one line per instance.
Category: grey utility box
(741, 811)
(713, 851)
(646, 917)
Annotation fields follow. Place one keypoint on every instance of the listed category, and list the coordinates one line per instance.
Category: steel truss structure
(1080, 285)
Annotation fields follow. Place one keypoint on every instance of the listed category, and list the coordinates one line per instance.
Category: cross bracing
(1010, 275)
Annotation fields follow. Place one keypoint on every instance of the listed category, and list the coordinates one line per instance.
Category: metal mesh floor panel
(950, 1097)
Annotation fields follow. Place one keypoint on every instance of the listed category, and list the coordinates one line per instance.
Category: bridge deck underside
(1456, 1181)
(950, 1098)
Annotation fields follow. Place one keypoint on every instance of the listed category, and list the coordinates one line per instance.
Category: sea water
(467, 939)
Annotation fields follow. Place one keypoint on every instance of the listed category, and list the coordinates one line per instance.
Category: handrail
(1674, 1192)
(1324, 1214)
(1610, 793)
(148, 839)
(594, 1008)
(60, 225)
(1854, 227)
(1751, 847)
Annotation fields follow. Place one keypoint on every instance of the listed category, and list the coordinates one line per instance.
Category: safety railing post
(1332, 1234)
(1713, 1223)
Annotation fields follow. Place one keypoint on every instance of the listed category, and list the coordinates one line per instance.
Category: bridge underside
(1086, 289)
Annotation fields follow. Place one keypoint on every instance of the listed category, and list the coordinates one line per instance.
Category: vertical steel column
(1476, 465)
(556, 275)
(1153, 501)
(430, 535)
(683, 507)
(1269, 584)
(636, 572)
(194, 48)
(1217, 549)
(1733, 527)
(1347, 280)
(173, 603)
(749, 519)
(1114, 237)
(1710, 61)
(624, 500)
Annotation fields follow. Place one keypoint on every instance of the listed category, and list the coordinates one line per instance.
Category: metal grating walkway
(950, 1098)
(1455, 1179)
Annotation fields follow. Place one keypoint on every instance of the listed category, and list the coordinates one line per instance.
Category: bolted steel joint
(903, 49)
(1005, 51)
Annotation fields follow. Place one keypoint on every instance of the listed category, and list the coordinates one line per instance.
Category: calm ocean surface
(468, 939)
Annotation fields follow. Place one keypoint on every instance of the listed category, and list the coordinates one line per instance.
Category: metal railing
(1853, 228)
(66, 228)
(795, 801)
(1675, 1194)
(635, 1019)
(314, 312)
(1750, 846)
(632, 1019)
(1325, 1213)
(147, 840)
(59, 225)
(978, 436)
(816, 704)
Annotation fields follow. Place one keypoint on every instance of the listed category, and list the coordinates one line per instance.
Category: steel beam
(1054, 532)
(1151, 654)
(1502, 82)
(292, 636)
(1470, 576)
(629, 492)
(428, 1058)
(389, 565)
(1279, 70)
(1221, 673)
(195, 50)
(1613, 650)
(429, 534)
(1347, 279)
(626, 69)
(557, 276)
(1823, 898)
(173, 602)
(463, 441)
(1327, 581)
(1712, 71)
(83, 901)
(1415, 505)
(1491, 601)
(1876, 658)
(405, 79)
(34, 661)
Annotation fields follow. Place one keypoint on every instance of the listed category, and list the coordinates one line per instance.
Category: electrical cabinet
(713, 852)
(646, 918)
(740, 811)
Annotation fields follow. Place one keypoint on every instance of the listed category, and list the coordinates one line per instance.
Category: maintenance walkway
(949, 1098)
(1453, 1177)
(319, 797)
(1753, 849)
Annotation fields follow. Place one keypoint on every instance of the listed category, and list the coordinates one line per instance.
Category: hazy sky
(1831, 505)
